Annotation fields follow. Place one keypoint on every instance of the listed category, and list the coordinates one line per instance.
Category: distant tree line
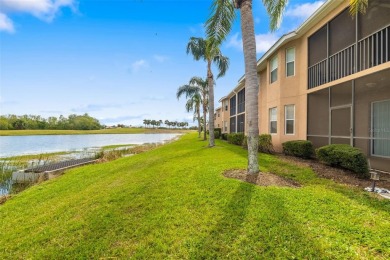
(157, 123)
(72, 122)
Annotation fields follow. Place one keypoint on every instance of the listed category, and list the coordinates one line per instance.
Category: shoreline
(88, 132)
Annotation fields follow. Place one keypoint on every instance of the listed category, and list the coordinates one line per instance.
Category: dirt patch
(4, 198)
(262, 179)
(336, 174)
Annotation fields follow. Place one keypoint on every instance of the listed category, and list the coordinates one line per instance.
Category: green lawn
(173, 202)
(81, 132)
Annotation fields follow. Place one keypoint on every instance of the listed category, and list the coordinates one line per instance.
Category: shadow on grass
(253, 226)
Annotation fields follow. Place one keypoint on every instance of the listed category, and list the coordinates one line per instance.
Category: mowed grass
(81, 132)
(173, 202)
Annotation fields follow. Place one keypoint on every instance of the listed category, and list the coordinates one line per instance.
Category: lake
(37, 144)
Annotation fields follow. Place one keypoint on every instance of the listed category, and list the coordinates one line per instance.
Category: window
(380, 128)
(273, 120)
(289, 114)
(226, 105)
(290, 62)
(233, 124)
(274, 69)
(241, 123)
(226, 126)
(233, 106)
(241, 101)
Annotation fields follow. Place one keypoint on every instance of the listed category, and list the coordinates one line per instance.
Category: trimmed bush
(299, 148)
(217, 134)
(219, 131)
(236, 138)
(265, 143)
(224, 136)
(345, 156)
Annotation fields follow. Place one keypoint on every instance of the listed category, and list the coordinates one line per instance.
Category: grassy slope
(174, 202)
(80, 132)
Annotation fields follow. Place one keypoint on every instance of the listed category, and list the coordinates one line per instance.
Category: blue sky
(120, 61)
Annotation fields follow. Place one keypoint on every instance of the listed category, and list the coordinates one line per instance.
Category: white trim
(372, 133)
(285, 120)
(291, 48)
(272, 70)
(269, 120)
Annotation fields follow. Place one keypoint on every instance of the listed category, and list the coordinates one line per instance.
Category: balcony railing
(368, 52)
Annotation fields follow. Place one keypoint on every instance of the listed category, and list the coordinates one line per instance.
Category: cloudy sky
(120, 61)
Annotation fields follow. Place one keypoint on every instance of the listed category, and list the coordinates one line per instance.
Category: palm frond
(275, 10)
(222, 15)
(357, 6)
(198, 81)
(222, 63)
(196, 46)
(188, 90)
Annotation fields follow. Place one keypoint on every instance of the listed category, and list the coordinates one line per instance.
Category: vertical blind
(381, 128)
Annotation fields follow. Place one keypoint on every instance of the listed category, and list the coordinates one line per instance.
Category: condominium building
(327, 82)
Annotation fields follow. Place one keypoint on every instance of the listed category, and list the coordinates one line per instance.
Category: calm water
(37, 144)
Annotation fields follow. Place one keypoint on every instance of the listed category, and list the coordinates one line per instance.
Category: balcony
(366, 53)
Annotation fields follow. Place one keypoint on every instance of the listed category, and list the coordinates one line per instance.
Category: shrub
(235, 138)
(298, 148)
(345, 156)
(224, 136)
(219, 131)
(217, 134)
(265, 143)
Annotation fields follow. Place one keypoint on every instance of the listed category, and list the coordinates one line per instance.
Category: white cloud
(45, 10)
(6, 24)
(138, 65)
(303, 11)
(234, 42)
(160, 58)
(265, 41)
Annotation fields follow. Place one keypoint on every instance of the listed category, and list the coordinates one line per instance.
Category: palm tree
(193, 104)
(218, 27)
(198, 89)
(208, 50)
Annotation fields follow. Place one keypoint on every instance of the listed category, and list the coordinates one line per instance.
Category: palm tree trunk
(210, 79)
(198, 115)
(251, 85)
(204, 122)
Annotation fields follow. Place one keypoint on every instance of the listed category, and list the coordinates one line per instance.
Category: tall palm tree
(196, 87)
(218, 27)
(208, 50)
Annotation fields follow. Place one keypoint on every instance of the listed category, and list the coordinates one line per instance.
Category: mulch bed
(336, 174)
(322, 170)
(262, 179)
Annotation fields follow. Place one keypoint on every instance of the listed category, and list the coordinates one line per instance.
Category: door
(341, 125)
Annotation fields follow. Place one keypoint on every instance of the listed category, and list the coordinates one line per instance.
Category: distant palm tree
(208, 50)
(196, 87)
(193, 104)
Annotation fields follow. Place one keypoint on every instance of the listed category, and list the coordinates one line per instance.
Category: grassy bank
(82, 132)
(173, 202)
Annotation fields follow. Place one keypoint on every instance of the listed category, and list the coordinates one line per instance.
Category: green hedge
(236, 138)
(345, 156)
(265, 143)
(224, 136)
(217, 134)
(298, 148)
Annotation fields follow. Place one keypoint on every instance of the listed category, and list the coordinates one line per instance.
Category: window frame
(289, 119)
(372, 128)
(275, 69)
(270, 120)
(287, 62)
